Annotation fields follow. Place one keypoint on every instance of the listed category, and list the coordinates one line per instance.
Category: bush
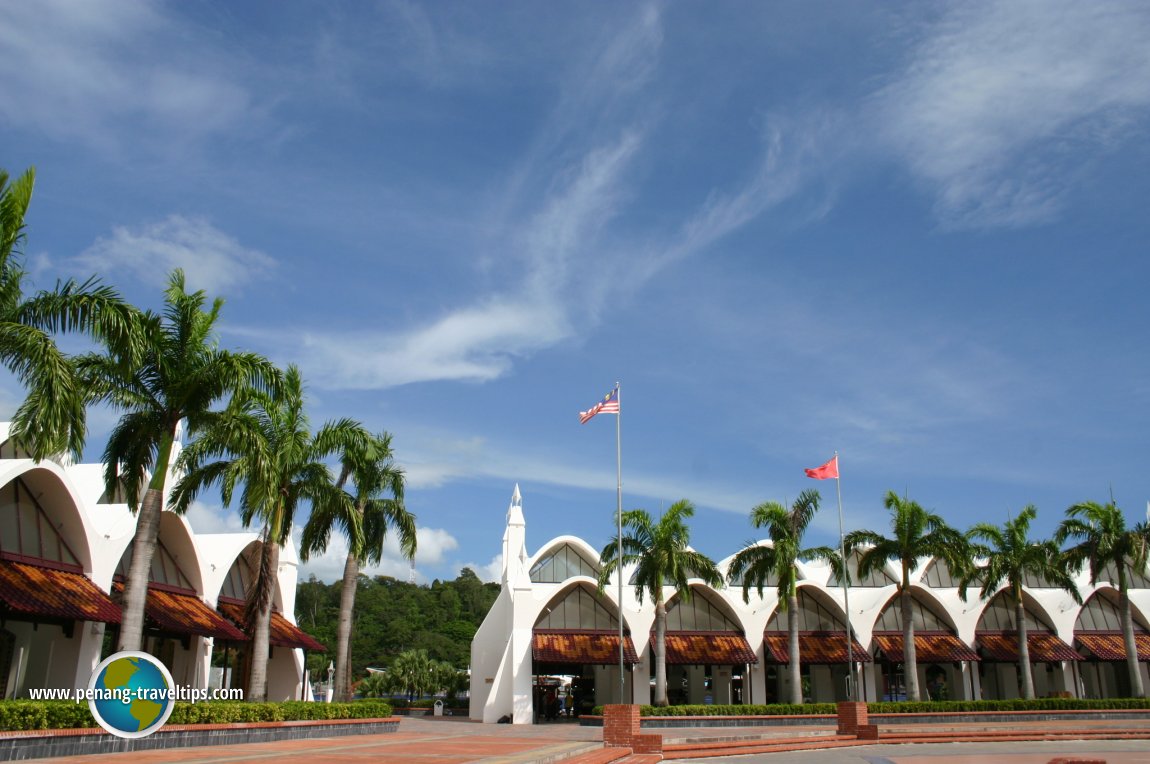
(902, 707)
(63, 714)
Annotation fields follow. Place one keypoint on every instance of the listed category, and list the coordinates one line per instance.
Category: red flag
(828, 470)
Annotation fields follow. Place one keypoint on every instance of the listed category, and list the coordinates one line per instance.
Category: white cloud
(999, 101)
(492, 572)
(433, 545)
(205, 518)
(212, 260)
(480, 342)
(86, 72)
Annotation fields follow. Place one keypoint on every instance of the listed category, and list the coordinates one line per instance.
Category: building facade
(551, 626)
(64, 548)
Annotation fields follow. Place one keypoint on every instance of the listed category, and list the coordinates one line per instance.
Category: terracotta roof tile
(180, 613)
(284, 633)
(30, 590)
(712, 648)
(928, 648)
(1108, 646)
(1044, 647)
(815, 647)
(580, 646)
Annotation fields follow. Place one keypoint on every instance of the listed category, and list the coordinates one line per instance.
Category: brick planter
(39, 744)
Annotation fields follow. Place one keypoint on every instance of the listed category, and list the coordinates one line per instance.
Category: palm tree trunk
(261, 626)
(343, 638)
(794, 668)
(660, 654)
(1025, 672)
(135, 595)
(909, 658)
(135, 598)
(1136, 688)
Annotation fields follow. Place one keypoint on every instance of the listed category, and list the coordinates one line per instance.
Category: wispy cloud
(211, 259)
(432, 459)
(998, 101)
(85, 71)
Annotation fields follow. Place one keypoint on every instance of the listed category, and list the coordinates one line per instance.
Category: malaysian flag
(609, 405)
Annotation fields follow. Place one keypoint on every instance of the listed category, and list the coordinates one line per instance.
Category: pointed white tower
(515, 544)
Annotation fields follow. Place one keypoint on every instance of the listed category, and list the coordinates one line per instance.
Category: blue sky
(913, 233)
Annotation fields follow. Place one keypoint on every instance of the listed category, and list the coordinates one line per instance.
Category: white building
(63, 548)
(550, 620)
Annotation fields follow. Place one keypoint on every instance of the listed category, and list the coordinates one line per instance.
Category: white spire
(517, 498)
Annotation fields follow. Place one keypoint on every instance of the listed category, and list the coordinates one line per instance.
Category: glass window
(578, 609)
(699, 614)
(877, 579)
(999, 616)
(1101, 614)
(561, 564)
(938, 576)
(813, 616)
(925, 619)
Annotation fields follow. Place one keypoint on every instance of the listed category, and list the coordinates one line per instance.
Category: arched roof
(56, 497)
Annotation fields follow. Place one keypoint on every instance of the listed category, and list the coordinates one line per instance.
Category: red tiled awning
(815, 648)
(1108, 646)
(928, 648)
(283, 633)
(180, 613)
(31, 591)
(586, 646)
(707, 648)
(1044, 647)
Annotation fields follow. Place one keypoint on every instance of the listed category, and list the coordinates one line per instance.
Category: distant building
(550, 621)
(64, 546)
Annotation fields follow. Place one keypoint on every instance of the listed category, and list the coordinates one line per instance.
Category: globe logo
(131, 694)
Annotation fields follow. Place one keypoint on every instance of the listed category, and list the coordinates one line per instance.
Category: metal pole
(619, 529)
(852, 690)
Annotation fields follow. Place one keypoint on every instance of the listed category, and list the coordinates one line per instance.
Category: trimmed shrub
(63, 714)
(902, 707)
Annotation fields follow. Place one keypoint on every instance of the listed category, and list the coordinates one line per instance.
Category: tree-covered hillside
(392, 616)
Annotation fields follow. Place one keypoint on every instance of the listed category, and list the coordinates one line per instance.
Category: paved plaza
(455, 741)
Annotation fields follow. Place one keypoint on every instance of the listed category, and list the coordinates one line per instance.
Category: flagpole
(619, 529)
(852, 691)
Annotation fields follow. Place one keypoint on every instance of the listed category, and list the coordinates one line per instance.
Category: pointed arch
(1101, 612)
(563, 558)
(877, 579)
(817, 612)
(579, 606)
(54, 527)
(929, 614)
(998, 614)
(704, 611)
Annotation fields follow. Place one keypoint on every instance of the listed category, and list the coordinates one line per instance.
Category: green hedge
(902, 707)
(44, 715)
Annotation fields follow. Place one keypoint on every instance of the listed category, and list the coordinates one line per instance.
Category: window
(698, 614)
(164, 568)
(924, 616)
(999, 616)
(560, 564)
(580, 608)
(26, 529)
(813, 616)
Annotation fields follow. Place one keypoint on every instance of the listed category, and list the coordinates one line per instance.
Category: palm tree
(413, 673)
(917, 534)
(756, 564)
(263, 441)
(51, 419)
(1104, 540)
(1010, 557)
(178, 375)
(663, 557)
(376, 476)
